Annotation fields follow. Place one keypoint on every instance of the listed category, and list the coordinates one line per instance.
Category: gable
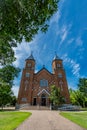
(43, 72)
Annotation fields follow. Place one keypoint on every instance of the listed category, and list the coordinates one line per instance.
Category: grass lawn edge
(76, 121)
(16, 118)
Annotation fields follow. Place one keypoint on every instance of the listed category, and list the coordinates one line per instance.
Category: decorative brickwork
(35, 87)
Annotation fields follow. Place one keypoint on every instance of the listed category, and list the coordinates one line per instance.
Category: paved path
(47, 120)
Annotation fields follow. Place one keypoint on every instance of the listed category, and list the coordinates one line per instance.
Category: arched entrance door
(43, 100)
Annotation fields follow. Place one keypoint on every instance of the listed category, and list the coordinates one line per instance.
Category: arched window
(24, 99)
(61, 85)
(29, 64)
(58, 65)
(59, 75)
(27, 74)
(43, 83)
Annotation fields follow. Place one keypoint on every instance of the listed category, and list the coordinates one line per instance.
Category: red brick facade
(35, 87)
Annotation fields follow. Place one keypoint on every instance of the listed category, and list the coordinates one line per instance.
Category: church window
(29, 64)
(24, 99)
(59, 75)
(58, 65)
(61, 85)
(61, 82)
(43, 83)
(25, 87)
(27, 74)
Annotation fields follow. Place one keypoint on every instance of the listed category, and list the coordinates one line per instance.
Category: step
(35, 108)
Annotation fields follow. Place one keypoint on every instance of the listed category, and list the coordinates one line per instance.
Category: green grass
(10, 120)
(79, 118)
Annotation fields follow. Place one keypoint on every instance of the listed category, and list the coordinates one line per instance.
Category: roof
(56, 57)
(30, 57)
(44, 69)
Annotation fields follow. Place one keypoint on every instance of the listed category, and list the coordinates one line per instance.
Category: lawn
(79, 118)
(10, 120)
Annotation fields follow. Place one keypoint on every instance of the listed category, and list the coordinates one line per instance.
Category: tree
(82, 86)
(73, 96)
(5, 94)
(22, 19)
(6, 52)
(55, 96)
(8, 73)
(13, 100)
(77, 97)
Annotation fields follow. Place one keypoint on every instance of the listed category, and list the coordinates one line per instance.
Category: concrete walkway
(47, 120)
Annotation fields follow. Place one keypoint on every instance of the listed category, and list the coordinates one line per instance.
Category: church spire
(31, 57)
(56, 57)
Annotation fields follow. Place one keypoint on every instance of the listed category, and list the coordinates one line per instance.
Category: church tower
(25, 91)
(60, 77)
(57, 65)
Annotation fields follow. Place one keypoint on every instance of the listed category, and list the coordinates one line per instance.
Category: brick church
(35, 87)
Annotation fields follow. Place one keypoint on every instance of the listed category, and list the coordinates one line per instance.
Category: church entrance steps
(35, 108)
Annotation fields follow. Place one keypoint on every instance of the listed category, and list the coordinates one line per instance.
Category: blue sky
(67, 35)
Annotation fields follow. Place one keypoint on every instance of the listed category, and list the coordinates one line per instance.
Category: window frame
(58, 65)
(60, 75)
(27, 75)
(43, 83)
(23, 99)
(29, 64)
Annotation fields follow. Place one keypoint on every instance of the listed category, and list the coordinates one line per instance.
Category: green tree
(5, 94)
(72, 96)
(8, 73)
(13, 100)
(55, 96)
(22, 19)
(6, 52)
(77, 97)
(82, 86)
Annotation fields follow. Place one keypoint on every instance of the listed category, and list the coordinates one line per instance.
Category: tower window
(61, 82)
(29, 64)
(59, 75)
(58, 65)
(61, 85)
(27, 74)
(25, 87)
(43, 83)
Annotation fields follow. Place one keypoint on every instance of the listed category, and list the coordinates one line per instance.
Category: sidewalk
(47, 120)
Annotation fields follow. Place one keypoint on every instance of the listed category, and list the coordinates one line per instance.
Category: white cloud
(70, 40)
(64, 31)
(36, 70)
(73, 65)
(76, 69)
(21, 51)
(56, 17)
(79, 41)
(15, 90)
(24, 49)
